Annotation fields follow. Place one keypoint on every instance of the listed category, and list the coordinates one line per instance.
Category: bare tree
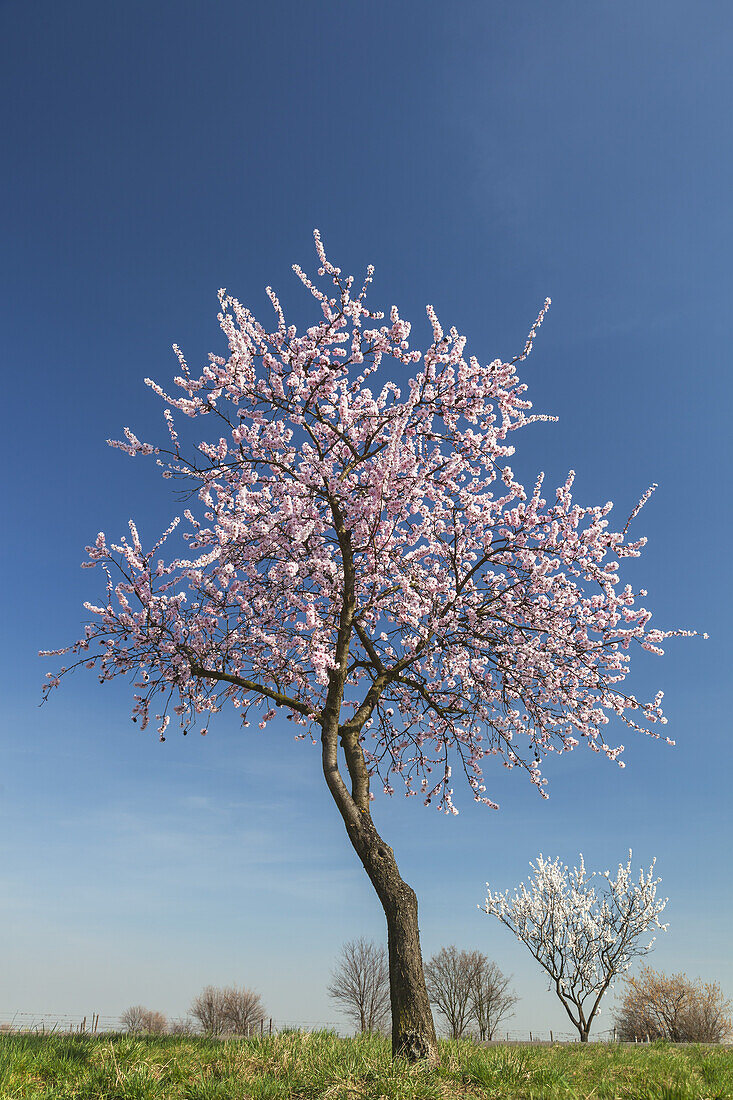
(652, 1007)
(181, 1027)
(208, 1009)
(360, 984)
(155, 1023)
(451, 975)
(138, 1020)
(491, 1000)
(132, 1019)
(242, 1010)
(227, 1011)
(657, 1006)
(707, 1018)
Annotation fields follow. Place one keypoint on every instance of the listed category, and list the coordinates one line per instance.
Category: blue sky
(482, 156)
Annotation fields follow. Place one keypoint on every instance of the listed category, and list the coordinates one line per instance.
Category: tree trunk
(413, 1030)
(584, 1036)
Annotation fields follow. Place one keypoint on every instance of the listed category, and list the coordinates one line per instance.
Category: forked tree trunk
(413, 1030)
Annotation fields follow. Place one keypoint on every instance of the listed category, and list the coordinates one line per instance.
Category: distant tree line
(473, 997)
(469, 991)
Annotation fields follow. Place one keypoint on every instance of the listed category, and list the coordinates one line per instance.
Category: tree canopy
(355, 510)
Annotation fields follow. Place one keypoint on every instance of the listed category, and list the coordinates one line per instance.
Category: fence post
(530, 1036)
(270, 1032)
(551, 1036)
(262, 1026)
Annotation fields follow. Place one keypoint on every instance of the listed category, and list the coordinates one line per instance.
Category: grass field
(294, 1065)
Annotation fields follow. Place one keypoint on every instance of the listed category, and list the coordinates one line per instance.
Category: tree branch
(277, 696)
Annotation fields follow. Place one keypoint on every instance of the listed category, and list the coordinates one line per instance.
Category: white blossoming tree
(581, 939)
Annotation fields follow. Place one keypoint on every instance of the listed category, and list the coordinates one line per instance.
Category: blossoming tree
(582, 940)
(362, 558)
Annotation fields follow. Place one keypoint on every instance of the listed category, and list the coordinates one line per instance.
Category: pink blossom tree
(363, 559)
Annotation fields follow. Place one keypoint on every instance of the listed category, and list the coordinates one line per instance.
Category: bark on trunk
(413, 1030)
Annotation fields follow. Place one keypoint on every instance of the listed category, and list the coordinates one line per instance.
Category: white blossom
(581, 938)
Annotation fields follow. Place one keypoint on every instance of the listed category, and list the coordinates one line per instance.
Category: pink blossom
(355, 521)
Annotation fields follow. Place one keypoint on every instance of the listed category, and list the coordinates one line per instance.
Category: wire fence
(98, 1024)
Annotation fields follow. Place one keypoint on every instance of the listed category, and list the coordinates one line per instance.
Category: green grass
(302, 1066)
